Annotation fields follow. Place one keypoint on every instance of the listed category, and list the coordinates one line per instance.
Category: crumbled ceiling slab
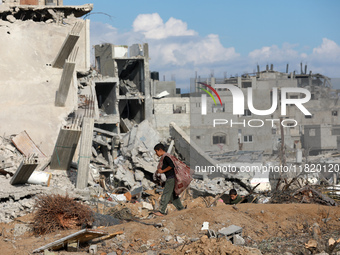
(42, 13)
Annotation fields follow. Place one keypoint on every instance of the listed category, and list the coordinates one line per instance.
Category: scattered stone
(168, 238)
(146, 205)
(125, 245)
(238, 240)
(165, 230)
(139, 175)
(326, 220)
(204, 239)
(20, 229)
(179, 239)
(311, 244)
(316, 232)
(262, 211)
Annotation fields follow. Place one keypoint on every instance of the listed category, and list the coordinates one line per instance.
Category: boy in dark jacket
(168, 168)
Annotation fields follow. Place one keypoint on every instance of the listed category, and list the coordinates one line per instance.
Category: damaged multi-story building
(135, 93)
(37, 38)
(249, 132)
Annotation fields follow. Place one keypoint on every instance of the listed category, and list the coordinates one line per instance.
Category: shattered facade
(315, 133)
(29, 82)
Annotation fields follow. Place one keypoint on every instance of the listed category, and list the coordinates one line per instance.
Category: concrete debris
(238, 240)
(231, 230)
(162, 94)
(146, 205)
(214, 187)
(205, 225)
(20, 229)
(24, 171)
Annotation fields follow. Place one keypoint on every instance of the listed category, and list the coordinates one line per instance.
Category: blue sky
(223, 36)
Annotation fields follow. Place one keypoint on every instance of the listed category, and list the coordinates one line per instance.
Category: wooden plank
(26, 146)
(81, 236)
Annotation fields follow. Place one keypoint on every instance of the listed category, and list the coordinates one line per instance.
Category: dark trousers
(170, 196)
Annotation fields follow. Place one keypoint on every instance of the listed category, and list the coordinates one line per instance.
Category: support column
(65, 147)
(66, 78)
(85, 152)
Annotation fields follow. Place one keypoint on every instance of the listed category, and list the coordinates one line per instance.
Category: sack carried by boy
(183, 173)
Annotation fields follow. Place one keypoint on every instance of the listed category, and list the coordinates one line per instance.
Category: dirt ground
(269, 228)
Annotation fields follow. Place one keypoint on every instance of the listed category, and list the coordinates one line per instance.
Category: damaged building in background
(316, 133)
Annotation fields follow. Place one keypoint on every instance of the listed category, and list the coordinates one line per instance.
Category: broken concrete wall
(28, 82)
(170, 109)
(193, 155)
(160, 86)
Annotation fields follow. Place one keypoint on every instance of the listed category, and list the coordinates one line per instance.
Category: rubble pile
(306, 194)
(216, 186)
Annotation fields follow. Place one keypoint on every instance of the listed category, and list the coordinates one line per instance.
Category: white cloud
(153, 27)
(328, 51)
(274, 53)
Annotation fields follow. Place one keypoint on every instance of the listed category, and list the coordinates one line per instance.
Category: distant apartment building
(248, 132)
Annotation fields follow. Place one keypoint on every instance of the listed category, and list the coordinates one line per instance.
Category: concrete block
(231, 230)
(238, 240)
(139, 175)
(146, 205)
(179, 239)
